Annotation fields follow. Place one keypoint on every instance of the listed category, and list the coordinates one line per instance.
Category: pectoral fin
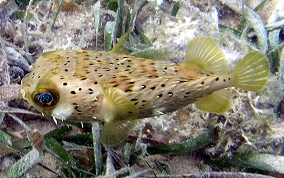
(217, 102)
(116, 131)
(120, 115)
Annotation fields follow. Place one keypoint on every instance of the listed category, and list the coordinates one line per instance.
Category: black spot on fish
(185, 97)
(73, 92)
(165, 68)
(171, 94)
(38, 76)
(163, 85)
(64, 83)
(128, 66)
(202, 83)
(100, 75)
(143, 86)
(77, 109)
(116, 68)
(66, 70)
(160, 95)
(229, 78)
(128, 90)
(224, 80)
(187, 93)
(90, 89)
(153, 88)
(135, 100)
(95, 83)
(208, 75)
(80, 89)
(217, 78)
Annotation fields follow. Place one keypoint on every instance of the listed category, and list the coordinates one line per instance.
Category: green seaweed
(80, 140)
(58, 151)
(24, 3)
(23, 165)
(265, 162)
(108, 35)
(58, 134)
(57, 13)
(97, 13)
(5, 139)
(179, 148)
(112, 5)
(175, 10)
(20, 14)
(162, 167)
(274, 52)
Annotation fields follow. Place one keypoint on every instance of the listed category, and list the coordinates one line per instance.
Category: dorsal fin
(205, 53)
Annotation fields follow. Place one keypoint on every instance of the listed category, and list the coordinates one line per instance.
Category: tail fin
(252, 72)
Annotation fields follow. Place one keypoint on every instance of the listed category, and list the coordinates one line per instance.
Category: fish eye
(46, 98)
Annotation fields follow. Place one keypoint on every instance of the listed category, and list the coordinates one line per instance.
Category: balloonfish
(118, 89)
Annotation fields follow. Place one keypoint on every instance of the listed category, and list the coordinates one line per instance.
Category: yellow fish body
(117, 89)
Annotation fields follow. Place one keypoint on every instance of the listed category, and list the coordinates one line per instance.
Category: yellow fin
(252, 72)
(116, 131)
(205, 53)
(217, 102)
(119, 119)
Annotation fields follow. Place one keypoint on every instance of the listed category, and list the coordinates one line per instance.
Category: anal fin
(217, 102)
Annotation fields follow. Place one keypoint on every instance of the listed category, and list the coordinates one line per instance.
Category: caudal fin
(252, 72)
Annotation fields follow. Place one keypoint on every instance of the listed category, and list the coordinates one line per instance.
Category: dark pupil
(45, 98)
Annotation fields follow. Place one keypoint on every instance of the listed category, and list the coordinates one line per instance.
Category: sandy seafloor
(254, 124)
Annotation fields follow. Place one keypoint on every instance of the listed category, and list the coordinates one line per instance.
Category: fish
(118, 89)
